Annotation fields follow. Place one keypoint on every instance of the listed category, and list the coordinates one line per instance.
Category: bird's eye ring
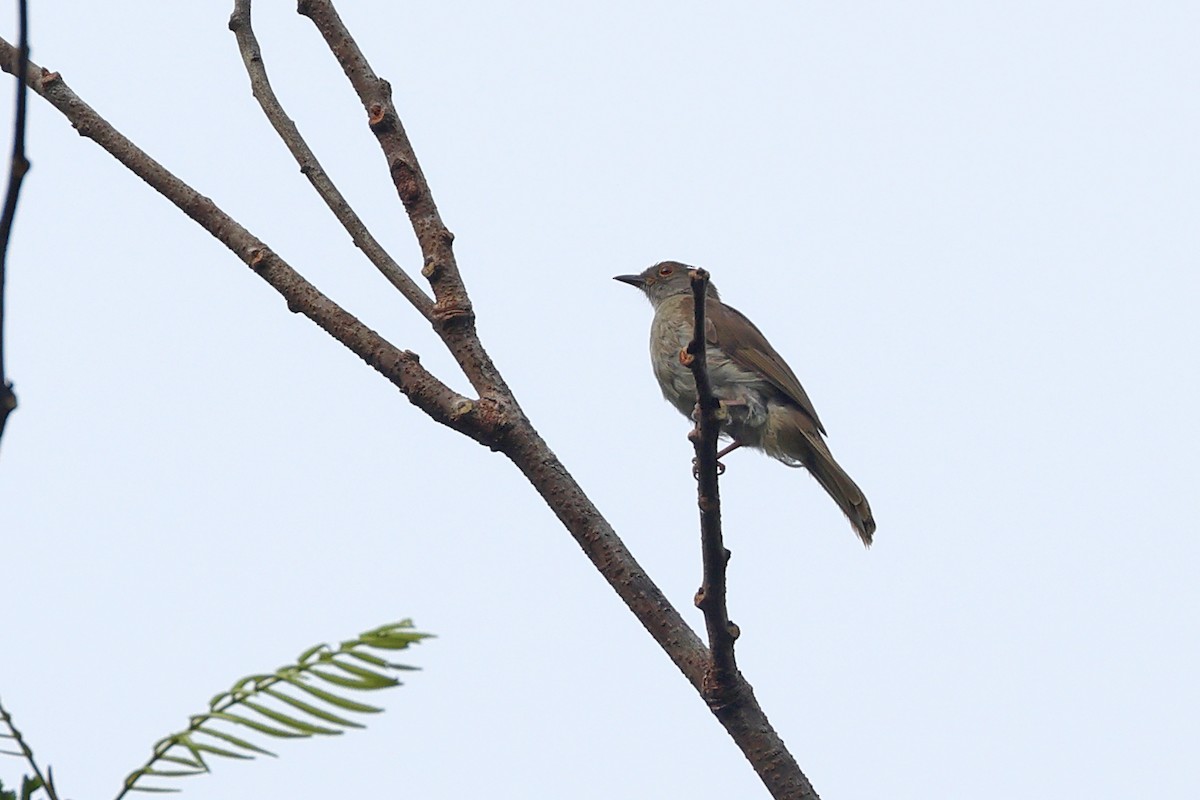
(665, 271)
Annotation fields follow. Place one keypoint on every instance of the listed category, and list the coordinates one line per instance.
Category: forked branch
(401, 367)
(453, 314)
(240, 24)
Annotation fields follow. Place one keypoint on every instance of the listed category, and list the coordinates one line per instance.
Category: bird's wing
(730, 330)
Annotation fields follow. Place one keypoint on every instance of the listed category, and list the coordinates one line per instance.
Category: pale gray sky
(970, 227)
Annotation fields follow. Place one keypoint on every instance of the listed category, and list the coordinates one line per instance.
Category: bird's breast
(670, 332)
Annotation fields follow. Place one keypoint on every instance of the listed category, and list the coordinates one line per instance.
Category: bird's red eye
(665, 271)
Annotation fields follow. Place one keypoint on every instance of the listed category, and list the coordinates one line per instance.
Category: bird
(765, 406)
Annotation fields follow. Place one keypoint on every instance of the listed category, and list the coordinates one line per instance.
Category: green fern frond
(278, 705)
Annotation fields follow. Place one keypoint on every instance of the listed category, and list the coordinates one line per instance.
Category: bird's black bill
(632, 280)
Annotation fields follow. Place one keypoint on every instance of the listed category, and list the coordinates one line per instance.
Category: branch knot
(258, 258)
(450, 313)
(379, 120)
(407, 181)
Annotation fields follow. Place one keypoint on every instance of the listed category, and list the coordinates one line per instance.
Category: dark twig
(240, 24)
(17, 170)
(711, 597)
(15, 735)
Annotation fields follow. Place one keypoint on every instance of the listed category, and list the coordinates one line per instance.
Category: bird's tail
(845, 493)
(798, 440)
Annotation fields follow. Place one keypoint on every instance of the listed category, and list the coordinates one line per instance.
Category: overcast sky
(970, 227)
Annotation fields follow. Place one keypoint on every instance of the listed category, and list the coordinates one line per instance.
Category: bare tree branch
(19, 167)
(453, 315)
(711, 597)
(494, 419)
(242, 28)
(401, 367)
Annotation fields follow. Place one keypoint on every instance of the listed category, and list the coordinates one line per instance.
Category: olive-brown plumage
(766, 406)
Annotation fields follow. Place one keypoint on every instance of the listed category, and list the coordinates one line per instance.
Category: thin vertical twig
(19, 167)
(711, 597)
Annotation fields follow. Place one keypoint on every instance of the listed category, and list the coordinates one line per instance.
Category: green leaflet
(263, 728)
(234, 740)
(29, 785)
(377, 679)
(309, 708)
(186, 741)
(221, 751)
(172, 773)
(310, 652)
(333, 699)
(348, 683)
(392, 641)
(154, 789)
(290, 721)
(187, 762)
(369, 658)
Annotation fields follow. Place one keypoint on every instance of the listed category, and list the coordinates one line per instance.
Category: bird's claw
(696, 468)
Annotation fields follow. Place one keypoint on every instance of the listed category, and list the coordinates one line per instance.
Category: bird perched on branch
(765, 405)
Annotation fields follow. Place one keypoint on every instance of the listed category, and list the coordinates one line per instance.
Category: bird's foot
(696, 468)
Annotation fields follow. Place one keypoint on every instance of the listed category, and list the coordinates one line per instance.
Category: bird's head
(664, 279)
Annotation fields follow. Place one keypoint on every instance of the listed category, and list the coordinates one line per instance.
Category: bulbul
(766, 407)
